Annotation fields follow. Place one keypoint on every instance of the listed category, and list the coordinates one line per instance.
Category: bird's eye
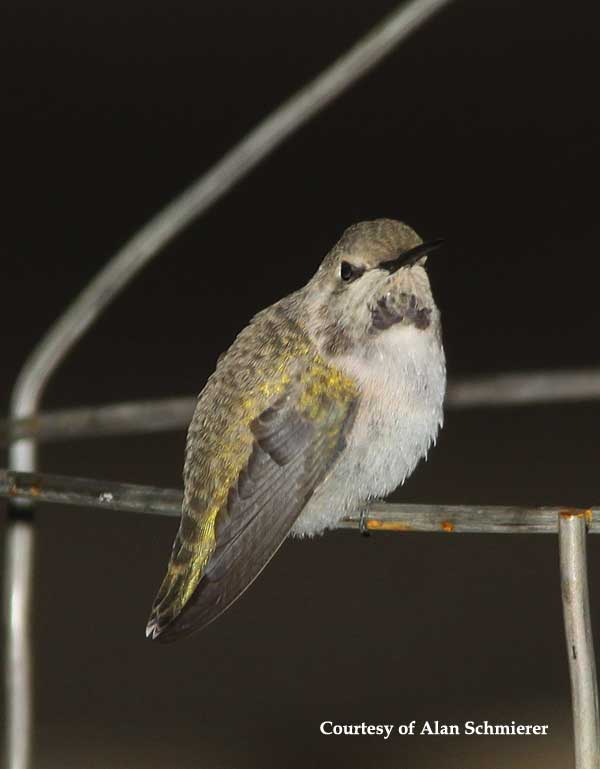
(349, 272)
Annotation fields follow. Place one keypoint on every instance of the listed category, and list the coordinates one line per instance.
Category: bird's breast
(402, 382)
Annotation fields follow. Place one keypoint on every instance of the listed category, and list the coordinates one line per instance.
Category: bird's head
(373, 280)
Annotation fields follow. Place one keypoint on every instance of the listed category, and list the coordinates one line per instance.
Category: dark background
(483, 128)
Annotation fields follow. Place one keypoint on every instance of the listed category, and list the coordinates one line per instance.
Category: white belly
(402, 387)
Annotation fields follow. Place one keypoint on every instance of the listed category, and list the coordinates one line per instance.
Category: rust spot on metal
(373, 523)
(35, 491)
(575, 512)
(447, 526)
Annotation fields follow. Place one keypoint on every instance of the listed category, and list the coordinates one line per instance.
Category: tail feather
(166, 606)
(170, 600)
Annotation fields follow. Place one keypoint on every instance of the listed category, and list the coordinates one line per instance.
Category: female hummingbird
(326, 400)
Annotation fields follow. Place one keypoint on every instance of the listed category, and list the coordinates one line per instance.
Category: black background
(483, 128)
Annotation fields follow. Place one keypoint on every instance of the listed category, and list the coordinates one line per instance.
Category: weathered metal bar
(128, 418)
(457, 519)
(18, 659)
(84, 492)
(148, 416)
(580, 645)
(525, 387)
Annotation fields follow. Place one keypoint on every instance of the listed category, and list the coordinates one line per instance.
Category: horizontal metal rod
(87, 492)
(129, 417)
(148, 416)
(527, 387)
(133, 498)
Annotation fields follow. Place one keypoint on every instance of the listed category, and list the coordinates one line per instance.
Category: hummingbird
(327, 400)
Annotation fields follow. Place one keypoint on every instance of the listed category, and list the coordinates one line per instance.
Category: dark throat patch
(401, 309)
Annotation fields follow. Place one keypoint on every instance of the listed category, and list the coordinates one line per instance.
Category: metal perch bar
(70, 327)
(527, 387)
(175, 413)
(457, 519)
(580, 645)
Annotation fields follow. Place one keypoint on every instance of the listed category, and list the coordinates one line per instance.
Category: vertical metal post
(16, 608)
(18, 568)
(572, 532)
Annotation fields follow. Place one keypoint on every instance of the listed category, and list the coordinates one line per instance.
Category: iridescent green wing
(294, 443)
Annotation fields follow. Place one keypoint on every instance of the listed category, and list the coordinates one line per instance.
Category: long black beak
(410, 257)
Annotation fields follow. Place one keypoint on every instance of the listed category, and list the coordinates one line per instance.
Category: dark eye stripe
(350, 272)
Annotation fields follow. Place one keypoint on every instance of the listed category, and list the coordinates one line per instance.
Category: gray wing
(296, 442)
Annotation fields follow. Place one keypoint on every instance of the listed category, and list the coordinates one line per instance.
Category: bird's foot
(363, 524)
